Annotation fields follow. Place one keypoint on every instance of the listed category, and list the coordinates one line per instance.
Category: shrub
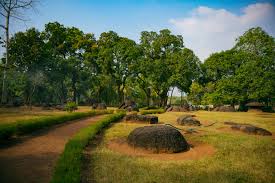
(68, 167)
(152, 111)
(71, 106)
(150, 107)
(7, 130)
(267, 109)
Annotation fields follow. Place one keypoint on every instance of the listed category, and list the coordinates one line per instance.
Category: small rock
(99, 106)
(177, 109)
(188, 120)
(60, 107)
(224, 109)
(230, 123)
(250, 129)
(145, 118)
(129, 105)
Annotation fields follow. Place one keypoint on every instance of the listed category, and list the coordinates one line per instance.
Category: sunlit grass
(238, 158)
(20, 127)
(10, 115)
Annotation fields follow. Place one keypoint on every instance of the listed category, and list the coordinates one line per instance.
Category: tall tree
(245, 72)
(186, 69)
(30, 58)
(157, 62)
(10, 9)
(117, 59)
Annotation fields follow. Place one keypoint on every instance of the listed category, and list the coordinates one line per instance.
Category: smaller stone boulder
(177, 109)
(230, 123)
(250, 129)
(99, 106)
(224, 109)
(129, 105)
(144, 118)
(60, 107)
(188, 120)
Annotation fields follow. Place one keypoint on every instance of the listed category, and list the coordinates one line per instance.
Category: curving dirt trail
(33, 160)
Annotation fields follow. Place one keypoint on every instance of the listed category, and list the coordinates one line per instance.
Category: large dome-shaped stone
(158, 139)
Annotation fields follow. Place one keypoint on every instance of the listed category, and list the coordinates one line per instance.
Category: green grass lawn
(238, 158)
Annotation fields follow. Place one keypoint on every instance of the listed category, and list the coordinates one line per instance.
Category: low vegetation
(14, 114)
(152, 111)
(71, 106)
(20, 127)
(68, 168)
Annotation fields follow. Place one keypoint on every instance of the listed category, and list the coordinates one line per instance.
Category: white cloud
(209, 30)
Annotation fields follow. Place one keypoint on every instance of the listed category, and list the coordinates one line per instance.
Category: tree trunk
(63, 93)
(74, 89)
(148, 96)
(181, 98)
(30, 99)
(120, 95)
(171, 96)
(163, 99)
(4, 92)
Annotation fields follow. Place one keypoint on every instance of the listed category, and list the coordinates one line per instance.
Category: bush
(7, 130)
(68, 167)
(152, 111)
(30, 125)
(267, 109)
(71, 106)
(150, 107)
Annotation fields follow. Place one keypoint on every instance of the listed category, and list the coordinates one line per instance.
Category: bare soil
(196, 151)
(33, 159)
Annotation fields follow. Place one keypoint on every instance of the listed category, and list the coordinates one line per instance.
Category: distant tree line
(239, 75)
(61, 64)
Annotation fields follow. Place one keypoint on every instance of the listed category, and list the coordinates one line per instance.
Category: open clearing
(236, 157)
(33, 159)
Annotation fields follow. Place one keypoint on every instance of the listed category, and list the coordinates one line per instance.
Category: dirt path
(33, 160)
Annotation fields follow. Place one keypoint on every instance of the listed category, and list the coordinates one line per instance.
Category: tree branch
(18, 18)
(3, 14)
(2, 26)
(3, 5)
(22, 4)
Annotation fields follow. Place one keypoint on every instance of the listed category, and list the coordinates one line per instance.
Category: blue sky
(129, 17)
